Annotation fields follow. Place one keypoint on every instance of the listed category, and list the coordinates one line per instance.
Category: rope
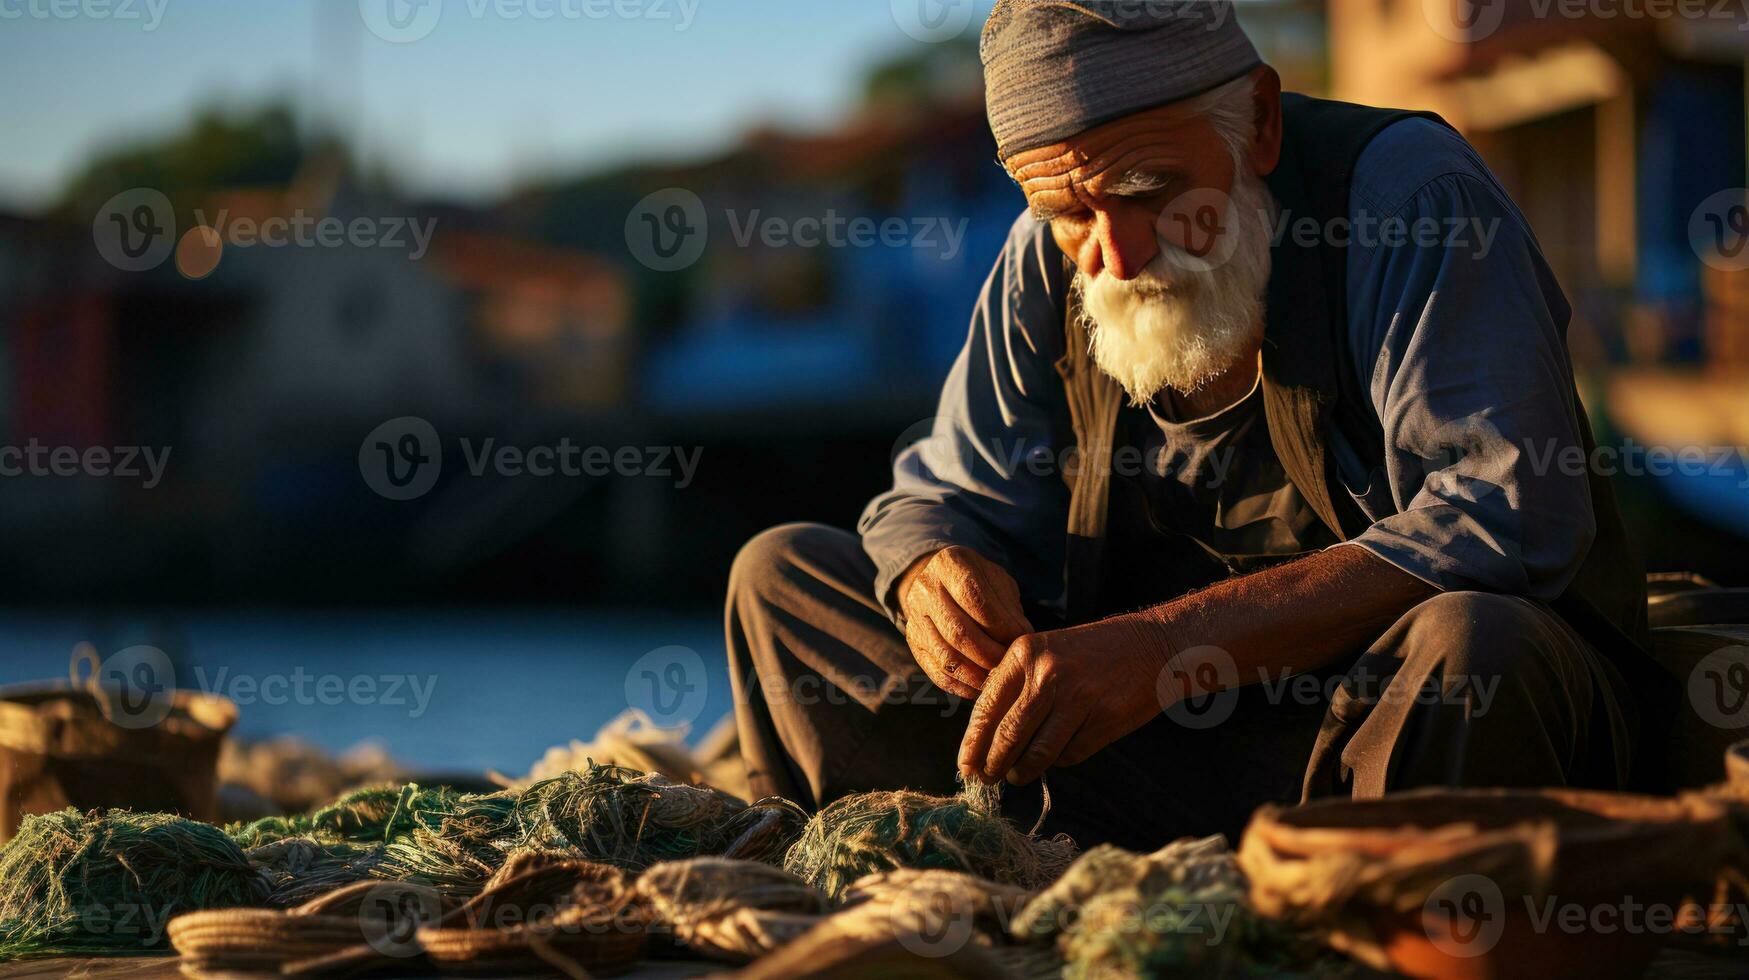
(728, 909)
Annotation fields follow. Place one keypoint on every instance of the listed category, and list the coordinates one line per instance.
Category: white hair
(1231, 111)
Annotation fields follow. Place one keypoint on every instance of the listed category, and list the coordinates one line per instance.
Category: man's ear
(1266, 101)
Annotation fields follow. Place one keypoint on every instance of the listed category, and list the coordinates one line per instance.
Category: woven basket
(598, 949)
(63, 745)
(583, 919)
(1460, 883)
(366, 923)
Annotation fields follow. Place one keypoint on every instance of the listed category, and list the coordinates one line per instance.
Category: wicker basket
(1463, 883)
(582, 919)
(364, 925)
(595, 949)
(63, 744)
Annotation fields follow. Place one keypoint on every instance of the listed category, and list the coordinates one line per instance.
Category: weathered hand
(961, 611)
(1058, 697)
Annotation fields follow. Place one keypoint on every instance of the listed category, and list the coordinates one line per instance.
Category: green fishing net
(869, 832)
(89, 884)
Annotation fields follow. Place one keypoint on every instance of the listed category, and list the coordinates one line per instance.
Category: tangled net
(627, 818)
(84, 884)
(1182, 910)
(372, 814)
(872, 832)
(298, 869)
(454, 842)
(728, 909)
(725, 899)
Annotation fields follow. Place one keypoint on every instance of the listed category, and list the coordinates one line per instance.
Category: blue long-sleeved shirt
(1454, 333)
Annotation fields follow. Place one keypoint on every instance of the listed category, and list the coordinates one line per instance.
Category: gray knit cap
(1053, 68)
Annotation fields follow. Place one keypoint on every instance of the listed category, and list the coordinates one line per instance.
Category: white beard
(1183, 320)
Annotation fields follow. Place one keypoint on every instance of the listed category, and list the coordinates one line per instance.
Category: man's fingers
(960, 630)
(948, 669)
(986, 592)
(1000, 689)
(1046, 747)
(1015, 731)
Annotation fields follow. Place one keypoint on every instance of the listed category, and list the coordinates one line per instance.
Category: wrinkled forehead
(1162, 140)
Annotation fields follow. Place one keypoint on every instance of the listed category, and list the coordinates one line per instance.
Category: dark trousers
(1466, 689)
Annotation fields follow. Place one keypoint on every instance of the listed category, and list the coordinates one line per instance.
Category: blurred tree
(925, 76)
(260, 147)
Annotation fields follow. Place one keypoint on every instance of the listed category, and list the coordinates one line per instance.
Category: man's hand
(961, 612)
(1058, 697)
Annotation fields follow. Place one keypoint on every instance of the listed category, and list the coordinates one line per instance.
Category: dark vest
(1308, 394)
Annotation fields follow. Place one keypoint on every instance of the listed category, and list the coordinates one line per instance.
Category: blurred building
(553, 323)
(1619, 130)
(1609, 127)
(775, 322)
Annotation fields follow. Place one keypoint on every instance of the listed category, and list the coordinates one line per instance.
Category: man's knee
(1479, 637)
(773, 555)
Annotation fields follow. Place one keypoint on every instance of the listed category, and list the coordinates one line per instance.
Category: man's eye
(1152, 190)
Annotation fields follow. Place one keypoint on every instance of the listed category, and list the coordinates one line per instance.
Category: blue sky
(492, 93)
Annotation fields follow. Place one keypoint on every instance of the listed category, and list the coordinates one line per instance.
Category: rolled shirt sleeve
(985, 472)
(1461, 345)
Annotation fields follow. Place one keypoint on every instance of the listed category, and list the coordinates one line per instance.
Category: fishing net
(871, 832)
(712, 880)
(727, 909)
(1180, 911)
(616, 816)
(916, 923)
(298, 869)
(371, 814)
(454, 842)
(632, 819)
(84, 884)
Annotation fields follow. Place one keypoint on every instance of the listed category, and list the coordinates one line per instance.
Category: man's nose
(1123, 242)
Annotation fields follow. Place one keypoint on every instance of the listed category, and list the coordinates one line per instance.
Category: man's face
(1169, 228)
(1106, 191)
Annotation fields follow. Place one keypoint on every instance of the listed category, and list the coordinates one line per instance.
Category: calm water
(451, 690)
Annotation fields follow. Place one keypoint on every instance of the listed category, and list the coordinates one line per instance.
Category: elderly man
(1245, 487)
